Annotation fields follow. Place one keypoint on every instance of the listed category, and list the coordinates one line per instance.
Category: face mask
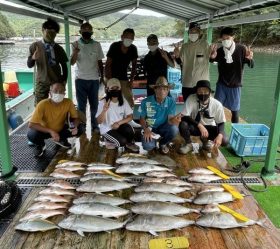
(50, 35)
(57, 97)
(226, 43)
(153, 48)
(114, 93)
(127, 42)
(86, 35)
(193, 37)
(203, 97)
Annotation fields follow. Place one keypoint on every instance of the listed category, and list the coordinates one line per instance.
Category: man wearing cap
(50, 59)
(157, 117)
(155, 62)
(203, 116)
(114, 115)
(87, 55)
(119, 56)
(194, 59)
(231, 58)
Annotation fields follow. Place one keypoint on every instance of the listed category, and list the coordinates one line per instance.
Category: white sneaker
(186, 148)
(134, 124)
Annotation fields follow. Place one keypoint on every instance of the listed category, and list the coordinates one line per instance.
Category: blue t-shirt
(155, 113)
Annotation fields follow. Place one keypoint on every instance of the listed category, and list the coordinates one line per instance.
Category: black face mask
(86, 35)
(203, 97)
(114, 93)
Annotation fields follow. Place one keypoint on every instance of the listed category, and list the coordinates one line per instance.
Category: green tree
(6, 31)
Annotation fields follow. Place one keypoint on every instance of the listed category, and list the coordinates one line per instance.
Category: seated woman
(202, 116)
(113, 115)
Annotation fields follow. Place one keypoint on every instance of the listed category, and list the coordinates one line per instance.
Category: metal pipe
(209, 33)
(270, 160)
(67, 48)
(5, 153)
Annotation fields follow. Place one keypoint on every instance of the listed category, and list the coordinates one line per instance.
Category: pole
(186, 33)
(274, 135)
(5, 153)
(67, 48)
(209, 33)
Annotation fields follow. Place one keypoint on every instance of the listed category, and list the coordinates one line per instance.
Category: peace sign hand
(35, 55)
(176, 50)
(106, 106)
(249, 53)
(213, 51)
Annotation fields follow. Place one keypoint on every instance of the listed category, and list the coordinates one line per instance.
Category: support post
(67, 48)
(209, 33)
(273, 141)
(186, 33)
(5, 152)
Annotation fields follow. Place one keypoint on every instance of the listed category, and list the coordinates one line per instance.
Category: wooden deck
(89, 150)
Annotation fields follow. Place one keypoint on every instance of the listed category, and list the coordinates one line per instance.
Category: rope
(118, 20)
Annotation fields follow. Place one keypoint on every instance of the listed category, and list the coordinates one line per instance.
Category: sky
(144, 12)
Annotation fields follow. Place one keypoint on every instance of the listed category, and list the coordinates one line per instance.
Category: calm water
(258, 85)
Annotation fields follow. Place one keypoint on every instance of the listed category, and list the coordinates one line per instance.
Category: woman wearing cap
(113, 115)
(157, 117)
(203, 116)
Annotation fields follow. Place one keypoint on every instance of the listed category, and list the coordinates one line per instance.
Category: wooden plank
(200, 238)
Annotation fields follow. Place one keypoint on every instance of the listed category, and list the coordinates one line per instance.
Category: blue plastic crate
(174, 75)
(249, 139)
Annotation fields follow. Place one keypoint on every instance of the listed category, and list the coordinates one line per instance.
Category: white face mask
(127, 42)
(57, 97)
(226, 43)
(193, 37)
(153, 48)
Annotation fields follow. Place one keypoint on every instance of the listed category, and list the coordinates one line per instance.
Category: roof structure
(187, 10)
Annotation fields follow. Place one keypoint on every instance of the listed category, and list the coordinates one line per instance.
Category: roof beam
(163, 12)
(26, 11)
(107, 12)
(87, 3)
(233, 8)
(192, 6)
(55, 7)
(249, 19)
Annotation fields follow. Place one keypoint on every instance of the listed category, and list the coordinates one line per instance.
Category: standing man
(157, 117)
(119, 56)
(194, 59)
(87, 55)
(50, 59)
(231, 58)
(155, 62)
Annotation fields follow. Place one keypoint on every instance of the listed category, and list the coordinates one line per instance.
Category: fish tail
(262, 222)
(188, 199)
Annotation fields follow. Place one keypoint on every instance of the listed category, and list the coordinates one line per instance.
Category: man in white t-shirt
(87, 55)
(114, 114)
(202, 116)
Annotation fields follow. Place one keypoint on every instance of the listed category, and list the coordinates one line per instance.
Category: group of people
(112, 116)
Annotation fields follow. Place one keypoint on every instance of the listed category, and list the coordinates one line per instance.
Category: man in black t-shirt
(155, 62)
(119, 56)
(231, 58)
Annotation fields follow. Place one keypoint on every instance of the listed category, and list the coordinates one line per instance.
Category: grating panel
(22, 154)
(4, 223)
(43, 181)
(233, 180)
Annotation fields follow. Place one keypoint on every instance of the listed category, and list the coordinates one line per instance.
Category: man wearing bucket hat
(194, 59)
(113, 114)
(157, 117)
(203, 116)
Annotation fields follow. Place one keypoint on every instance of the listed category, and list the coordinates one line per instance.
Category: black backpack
(10, 197)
